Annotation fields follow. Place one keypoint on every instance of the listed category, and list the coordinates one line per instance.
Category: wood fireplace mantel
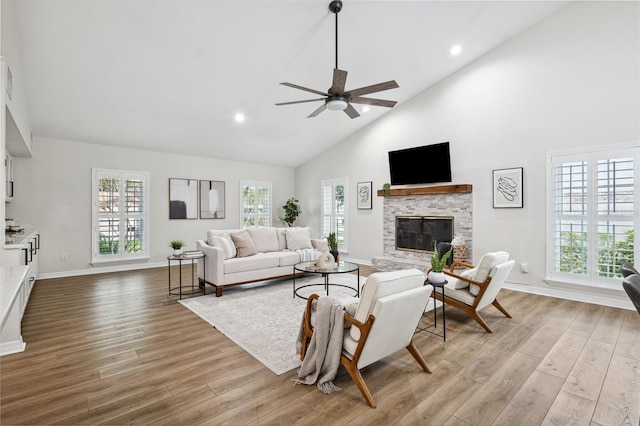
(422, 190)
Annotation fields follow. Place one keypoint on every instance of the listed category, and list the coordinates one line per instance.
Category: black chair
(442, 248)
(627, 269)
(631, 285)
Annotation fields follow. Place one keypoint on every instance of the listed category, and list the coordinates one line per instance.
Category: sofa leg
(218, 291)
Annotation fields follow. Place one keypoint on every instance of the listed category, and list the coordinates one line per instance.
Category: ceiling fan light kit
(337, 98)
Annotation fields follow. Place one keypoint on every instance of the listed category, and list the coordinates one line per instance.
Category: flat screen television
(422, 164)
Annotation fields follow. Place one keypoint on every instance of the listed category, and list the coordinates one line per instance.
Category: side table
(435, 318)
(193, 289)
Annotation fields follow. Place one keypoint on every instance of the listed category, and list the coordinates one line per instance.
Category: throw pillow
(298, 238)
(320, 245)
(227, 246)
(485, 267)
(460, 284)
(244, 244)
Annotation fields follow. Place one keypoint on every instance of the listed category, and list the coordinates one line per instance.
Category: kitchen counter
(18, 239)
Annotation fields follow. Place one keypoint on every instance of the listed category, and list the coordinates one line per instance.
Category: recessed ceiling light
(239, 118)
(366, 109)
(455, 50)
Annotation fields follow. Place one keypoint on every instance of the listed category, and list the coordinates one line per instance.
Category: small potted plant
(177, 245)
(291, 211)
(387, 189)
(332, 240)
(436, 276)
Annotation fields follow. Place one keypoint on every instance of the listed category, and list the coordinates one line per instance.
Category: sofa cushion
(244, 244)
(289, 258)
(265, 239)
(251, 263)
(382, 284)
(485, 267)
(227, 245)
(298, 238)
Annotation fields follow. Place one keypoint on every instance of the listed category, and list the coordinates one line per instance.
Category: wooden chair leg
(476, 316)
(418, 357)
(500, 308)
(353, 371)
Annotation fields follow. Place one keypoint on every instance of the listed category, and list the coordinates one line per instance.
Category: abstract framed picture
(507, 188)
(211, 199)
(363, 192)
(183, 198)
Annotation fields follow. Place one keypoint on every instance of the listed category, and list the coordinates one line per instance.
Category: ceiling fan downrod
(336, 6)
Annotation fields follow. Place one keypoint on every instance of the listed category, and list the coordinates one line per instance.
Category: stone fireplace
(430, 206)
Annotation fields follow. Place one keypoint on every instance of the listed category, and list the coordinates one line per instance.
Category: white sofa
(229, 258)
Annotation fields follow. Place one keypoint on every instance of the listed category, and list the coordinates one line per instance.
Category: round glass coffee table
(312, 268)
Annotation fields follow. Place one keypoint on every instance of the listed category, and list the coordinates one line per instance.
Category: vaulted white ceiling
(170, 75)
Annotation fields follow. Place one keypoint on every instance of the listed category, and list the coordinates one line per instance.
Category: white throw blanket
(322, 359)
(307, 255)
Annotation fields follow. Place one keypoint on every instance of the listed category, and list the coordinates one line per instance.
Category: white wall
(570, 81)
(53, 192)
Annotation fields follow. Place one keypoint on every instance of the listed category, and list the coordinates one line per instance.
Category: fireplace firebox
(421, 233)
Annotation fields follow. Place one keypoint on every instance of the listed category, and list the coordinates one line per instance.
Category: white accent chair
(477, 286)
(380, 323)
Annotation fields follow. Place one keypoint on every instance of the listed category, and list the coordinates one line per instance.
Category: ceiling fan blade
(351, 111)
(373, 88)
(318, 111)
(339, 80)
(306, 89)
(374, 102)
(301, 102)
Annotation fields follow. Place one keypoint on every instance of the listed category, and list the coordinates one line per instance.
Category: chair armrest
(457, 264)
(365, 328)
(467, 279)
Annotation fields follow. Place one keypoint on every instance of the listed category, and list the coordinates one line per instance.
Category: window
(256, 204)
(592, 215)
(334, 210)
(119, 220)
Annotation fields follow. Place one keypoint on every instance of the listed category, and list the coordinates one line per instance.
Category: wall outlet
(64, 256)
(524, 267)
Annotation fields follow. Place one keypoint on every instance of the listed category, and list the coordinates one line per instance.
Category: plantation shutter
(120, 200)
(334, 210)
(256, 204)
(594, 215)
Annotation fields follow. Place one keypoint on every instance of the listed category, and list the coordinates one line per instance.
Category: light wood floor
(115, 349)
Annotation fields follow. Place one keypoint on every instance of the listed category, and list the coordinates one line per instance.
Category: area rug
(264, 319)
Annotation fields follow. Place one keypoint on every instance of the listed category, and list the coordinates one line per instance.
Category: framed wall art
(211, 199)
(364, 194)
(183, 198)
(507, 188)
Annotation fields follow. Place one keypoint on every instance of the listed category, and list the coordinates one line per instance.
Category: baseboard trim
(12, 347)
(100, 270)
(614, 300)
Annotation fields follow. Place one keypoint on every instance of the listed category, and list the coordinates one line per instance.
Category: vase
(177, 252)
(436, 277)
(335, 255)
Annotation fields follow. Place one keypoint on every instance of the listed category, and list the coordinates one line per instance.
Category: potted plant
(177, 245)
(387, 189)
(291, 211)
(332, 240)
(436, 276)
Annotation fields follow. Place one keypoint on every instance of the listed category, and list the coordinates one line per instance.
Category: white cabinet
(15, 288)
(8, 163)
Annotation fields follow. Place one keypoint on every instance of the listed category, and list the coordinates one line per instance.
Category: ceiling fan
(337, 98)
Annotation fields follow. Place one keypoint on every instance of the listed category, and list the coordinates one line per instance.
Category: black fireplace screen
(421, 233)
